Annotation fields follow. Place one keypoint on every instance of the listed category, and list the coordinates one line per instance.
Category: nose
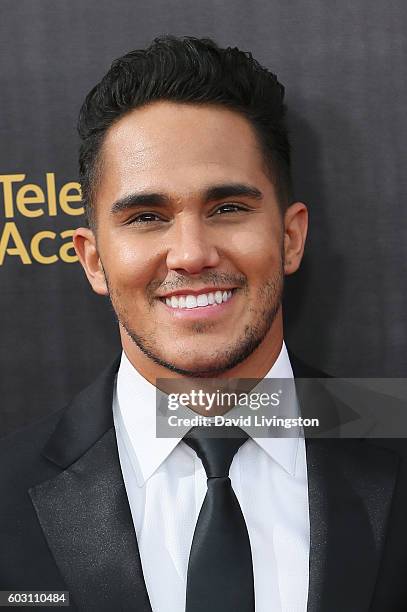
(192, 247)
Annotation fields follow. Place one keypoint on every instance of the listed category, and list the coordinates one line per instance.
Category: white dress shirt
(166, 484)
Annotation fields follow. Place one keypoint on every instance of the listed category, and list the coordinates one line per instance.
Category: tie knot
(216, 448)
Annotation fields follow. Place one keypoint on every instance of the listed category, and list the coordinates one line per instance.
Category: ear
(84, 242)
(295, 233)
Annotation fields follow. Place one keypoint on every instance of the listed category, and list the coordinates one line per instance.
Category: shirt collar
(134, 417)
(282, 450)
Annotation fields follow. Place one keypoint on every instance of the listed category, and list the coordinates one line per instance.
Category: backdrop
(343, 65)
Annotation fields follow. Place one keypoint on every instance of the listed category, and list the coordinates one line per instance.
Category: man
(186, 182)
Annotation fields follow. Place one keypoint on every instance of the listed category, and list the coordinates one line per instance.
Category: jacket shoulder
(20, 453)
(22, 450)
(301, 369)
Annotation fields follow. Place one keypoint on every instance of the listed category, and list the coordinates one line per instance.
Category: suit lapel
(350, 487)
(84, 511)
(351, 484)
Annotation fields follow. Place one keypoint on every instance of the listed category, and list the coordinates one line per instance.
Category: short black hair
(186, 70)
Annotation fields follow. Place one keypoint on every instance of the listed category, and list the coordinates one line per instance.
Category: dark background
(343, 65)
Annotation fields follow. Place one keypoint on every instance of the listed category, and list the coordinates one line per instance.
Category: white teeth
(190, 301)
(203, 299)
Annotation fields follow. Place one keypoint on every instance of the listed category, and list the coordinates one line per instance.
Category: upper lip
(195, 291)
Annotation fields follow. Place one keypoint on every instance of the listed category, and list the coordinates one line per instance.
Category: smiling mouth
(201, 300)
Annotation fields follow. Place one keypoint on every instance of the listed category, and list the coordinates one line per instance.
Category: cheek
(131, 265)
(256, 251)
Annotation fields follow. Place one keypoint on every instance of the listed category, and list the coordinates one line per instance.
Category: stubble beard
(269, 300)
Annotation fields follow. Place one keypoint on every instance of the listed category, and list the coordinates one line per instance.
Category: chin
(199, 366)
(195, 363)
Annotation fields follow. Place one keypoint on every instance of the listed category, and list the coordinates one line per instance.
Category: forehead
(178, 148)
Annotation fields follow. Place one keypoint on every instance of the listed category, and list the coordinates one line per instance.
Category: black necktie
(220, 569)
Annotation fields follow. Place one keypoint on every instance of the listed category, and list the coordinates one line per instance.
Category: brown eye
(225, 208)
(145, 218)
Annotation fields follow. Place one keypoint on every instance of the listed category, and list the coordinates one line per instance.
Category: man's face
(187, 215)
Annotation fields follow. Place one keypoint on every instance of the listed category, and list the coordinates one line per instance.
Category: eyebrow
(215, 192)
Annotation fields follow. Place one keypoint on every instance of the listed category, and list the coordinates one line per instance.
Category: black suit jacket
(65, 522)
